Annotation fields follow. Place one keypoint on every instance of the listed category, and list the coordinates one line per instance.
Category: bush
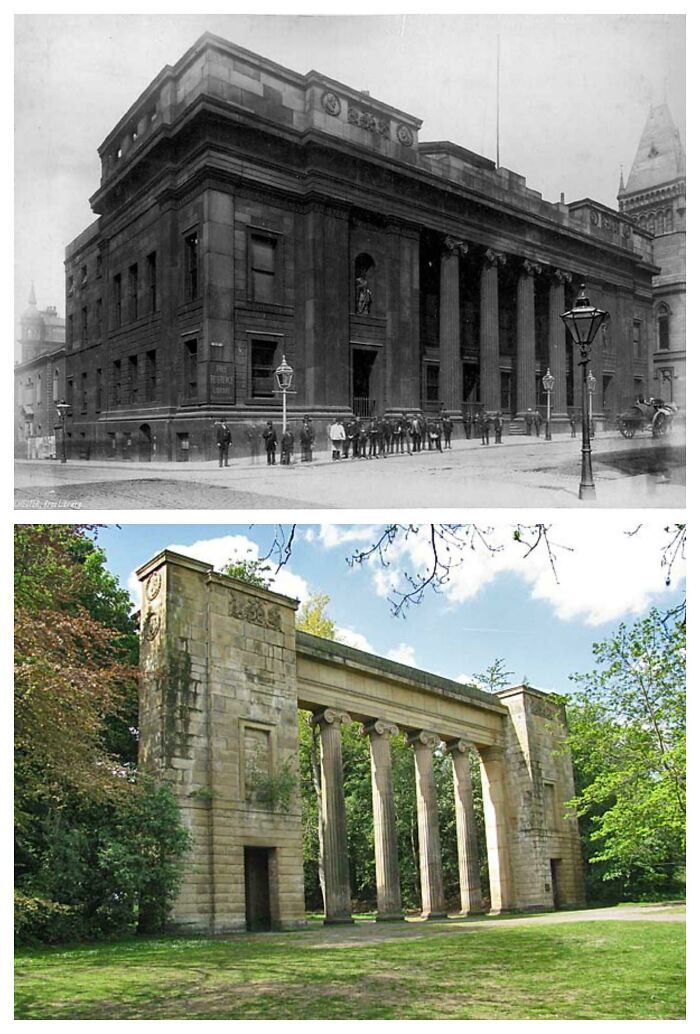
(39, 921)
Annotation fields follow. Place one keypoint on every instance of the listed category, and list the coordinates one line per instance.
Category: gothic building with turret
(247, 212)
(40, 379)
(654, 196)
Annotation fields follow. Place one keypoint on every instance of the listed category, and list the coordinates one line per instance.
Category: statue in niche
(363, 295)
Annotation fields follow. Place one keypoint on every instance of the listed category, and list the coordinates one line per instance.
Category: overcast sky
(497, 605)
(575, 92)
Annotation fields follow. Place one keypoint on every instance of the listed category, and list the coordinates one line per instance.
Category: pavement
(523, 471)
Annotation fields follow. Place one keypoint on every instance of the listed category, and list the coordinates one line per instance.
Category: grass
(587, 970)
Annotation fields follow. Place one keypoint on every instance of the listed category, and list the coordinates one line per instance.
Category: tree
(96, 844)
(312, 617)
(627, 737)
(251, 570)
(495, 677)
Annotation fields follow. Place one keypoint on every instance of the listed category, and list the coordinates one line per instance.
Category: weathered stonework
(224, 673)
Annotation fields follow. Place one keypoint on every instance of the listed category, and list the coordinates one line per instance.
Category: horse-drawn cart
(650, 414)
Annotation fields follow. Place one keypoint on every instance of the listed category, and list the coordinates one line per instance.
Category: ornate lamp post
(583, 322)
(548, 385)
(285, 375)
(62, 408)
(591, 384)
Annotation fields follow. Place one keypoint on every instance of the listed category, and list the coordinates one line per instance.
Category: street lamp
(583, 322)
(591, 384)
(62, 408)
(285, 375)
(548, 385)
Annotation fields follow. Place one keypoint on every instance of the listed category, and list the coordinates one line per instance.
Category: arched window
(651, 224)
(364, 284)
(663, 316)
(668, 225)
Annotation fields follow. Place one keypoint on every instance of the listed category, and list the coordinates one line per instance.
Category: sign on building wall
(221, 382)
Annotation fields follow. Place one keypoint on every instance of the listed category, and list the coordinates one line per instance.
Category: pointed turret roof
(660, 156)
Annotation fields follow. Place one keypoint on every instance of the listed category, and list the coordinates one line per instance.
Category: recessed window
(84, 326)
(132, 379)
(98, 389)
(191, 267)
(117, 382)
(98, 318)
(133, 292)
(662, 328)
(83, 392)
(432, 382)
(83, 275)
(263, 365)
(191, 368)
(637, 339)
(98, 267)
(152, 282)
(263, 267)
(69, 287)
(151, 375)
(117, 300)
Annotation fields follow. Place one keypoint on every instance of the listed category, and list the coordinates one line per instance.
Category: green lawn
(587, 970)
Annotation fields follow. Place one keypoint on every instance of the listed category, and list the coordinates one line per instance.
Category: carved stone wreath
(404, 135)
(153, 585)
(151, 625)
(331, 102)
(366, 120)
(254, 610)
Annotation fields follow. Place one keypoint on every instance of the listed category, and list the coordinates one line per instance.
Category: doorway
(555, 868)
(363, 396)
(258, 914)
(145, 444)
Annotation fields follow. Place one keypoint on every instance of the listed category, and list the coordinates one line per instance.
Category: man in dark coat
(306, 438)
(447, 430)
(270, 439)
(498, 428)
(287, 447)
(537, 422)
(223, 441)
(467, 421)
(485, 429)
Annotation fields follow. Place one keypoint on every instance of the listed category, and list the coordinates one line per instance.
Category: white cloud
(352, 638)
(219, 551)
(602, 572)
(332, 535)
(404, 653)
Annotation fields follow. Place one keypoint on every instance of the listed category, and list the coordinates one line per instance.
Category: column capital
(330, 717)
(530, 268)
(379, 727)
(494, 258)
(493, 753)
(458, 746)
(423, 737)
(453, 244)
(560, 276)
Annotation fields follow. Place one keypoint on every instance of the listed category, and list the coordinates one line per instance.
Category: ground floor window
(432, 383)
(263, 356)
(506, 391)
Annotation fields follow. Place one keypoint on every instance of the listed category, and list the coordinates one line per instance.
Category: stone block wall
(219, 721)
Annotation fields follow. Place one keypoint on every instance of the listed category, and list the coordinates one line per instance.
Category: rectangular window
(83, 275)
(637, 339)
(133, 292)
(191, 369)
(152, 290)
(432, 382)
(132, 378)
(262, 359)
(191, 267)
(70, 287)
(98, 318)
(117, 382)
(69, 330)
(84, 326)
(83, 392)
(117, 296)
(98, 390)
(98, 267)
(262, 267)
(151, 375)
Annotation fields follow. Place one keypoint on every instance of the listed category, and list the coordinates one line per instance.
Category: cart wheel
(660, 425)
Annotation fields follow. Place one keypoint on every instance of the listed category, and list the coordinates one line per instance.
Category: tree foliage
(627, 737)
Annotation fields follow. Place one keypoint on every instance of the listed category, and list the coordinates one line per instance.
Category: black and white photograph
(308, 261)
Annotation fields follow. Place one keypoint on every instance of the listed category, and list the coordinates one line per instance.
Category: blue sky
(496, 605)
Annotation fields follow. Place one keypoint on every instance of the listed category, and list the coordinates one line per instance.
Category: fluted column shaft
(335, 848)
(467, 843)
(525, 340)
(432, 892)
(496, 822)
(557, 345)
(450, 349)
(490, 371)
(386, 848)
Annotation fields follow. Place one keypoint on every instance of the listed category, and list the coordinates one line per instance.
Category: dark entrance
(363, 395)
(555, 867)
(258, 915)
(145, 444)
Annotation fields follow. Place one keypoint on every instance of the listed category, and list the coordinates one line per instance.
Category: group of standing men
(352, 438)
(481, 424)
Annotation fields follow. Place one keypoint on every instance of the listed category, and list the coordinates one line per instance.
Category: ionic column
(335, 847)
(432, 893)
(496, 822)
(467, 844)
(525, 339)
(557, 343)
(386, 849)
(490, 370)
(450, 350)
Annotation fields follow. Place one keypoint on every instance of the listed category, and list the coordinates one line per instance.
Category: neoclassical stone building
(223, 675)
(654, 196)
(246, 212)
